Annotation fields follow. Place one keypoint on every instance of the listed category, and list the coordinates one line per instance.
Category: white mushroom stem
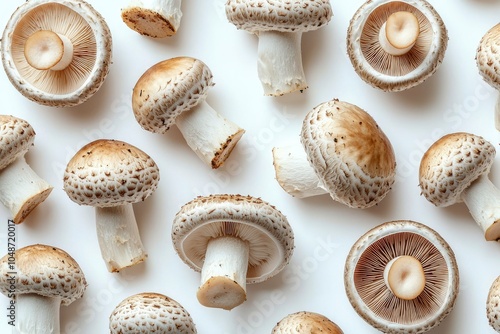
(279, 63)
(119, 237)
(482, 198)
(21, 189)
(209, 134)
(405, 277)
(399, 33)
(224, 272)
(47, 50)
(37, 314)
(497, 113)
(170, 10)
(294, 172)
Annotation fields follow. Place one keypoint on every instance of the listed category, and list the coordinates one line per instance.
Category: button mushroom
(384, 270)
(56, 53)
(173, 91)
(153, 18)
(45, 278)
(493, 305)
(396, 45)
(279, 26)
(306, 323)
(150, 312)
(343, 153)
(233, 240)
(111, 175)
(455, 169)
(21, 189)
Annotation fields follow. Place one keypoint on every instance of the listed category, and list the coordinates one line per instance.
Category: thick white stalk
(279, 63)
(224, 272)
(482, 198)
(294, 173)
(497, 112)
(48, 50)
(169, 10)
(209, 134)
(119, 237)
(21, 189)
(37, 314)
(398, 34)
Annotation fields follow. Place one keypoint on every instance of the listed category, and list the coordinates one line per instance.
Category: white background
(454, 99)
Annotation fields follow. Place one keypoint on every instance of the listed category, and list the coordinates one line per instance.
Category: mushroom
(384, 270)
(343, 153)
(455, 169)
(488, 63)
(111, 175)
(233, 240)
(306, 323)
(173, 91)
(493, 305)
(21, 189)
(58, 52)
(279, 26)
(150, 312)
(396, 45)
(41, 278)
(153, 18)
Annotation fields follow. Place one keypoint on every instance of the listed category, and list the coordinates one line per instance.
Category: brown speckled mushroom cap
(92, 48)
(493, 305)
(16, 138)
(286, 16)
(306, 323)
(261, 225)
(350, 154)
(167, 89)
(44, 270)
(451, 164)
(488, 58)
(373, 300)
(106, 173)
(150, 312)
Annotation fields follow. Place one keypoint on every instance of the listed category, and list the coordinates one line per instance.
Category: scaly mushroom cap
(16, 138)
(493, 305)
(267, 231)
(148, 312)
(383, 70)
(488, 58)
(44, 270)
(106, 173)
(306, 323)
(92, 47)
(281, 15)
(167, 89)
(350, 154)
(373, 300)
(451, 164)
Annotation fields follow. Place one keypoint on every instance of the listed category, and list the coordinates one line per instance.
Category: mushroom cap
(487, 57)
(150, 312)
(106, 173)
(306, 323)
(44, 270)
(395, 73)
(372, 299)
(167, 89)
(451, 164)
(350, 154)
(16, 138)
(493, 305)
(267, 231)
(92, 51)
(281, 15)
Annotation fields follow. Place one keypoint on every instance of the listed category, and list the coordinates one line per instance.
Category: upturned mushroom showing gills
(111, 175)
(153, 18)
(455, 169)
(396, 45)
(173, 91)
(402, 277)
(150, 312)
(21, 189)
(343, 152)
(57, 52)
(232, 240)
(279, 26)
(306, 323)
(46, 277)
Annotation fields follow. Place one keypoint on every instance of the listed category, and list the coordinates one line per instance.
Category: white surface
(454, 99)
